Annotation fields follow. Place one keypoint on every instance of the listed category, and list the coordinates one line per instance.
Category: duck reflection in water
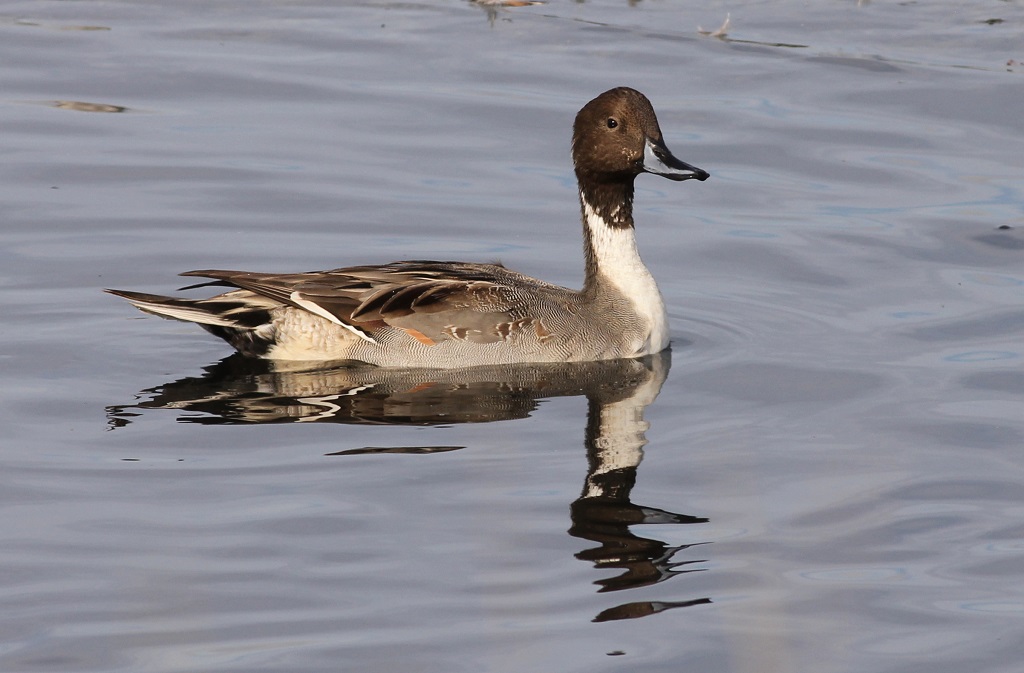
(240, 390)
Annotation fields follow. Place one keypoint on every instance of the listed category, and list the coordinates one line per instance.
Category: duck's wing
(431, 301)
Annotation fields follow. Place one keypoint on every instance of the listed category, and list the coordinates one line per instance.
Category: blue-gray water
(835, 461)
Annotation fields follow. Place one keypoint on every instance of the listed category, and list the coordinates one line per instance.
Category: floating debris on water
(722, 31)
(82, 106)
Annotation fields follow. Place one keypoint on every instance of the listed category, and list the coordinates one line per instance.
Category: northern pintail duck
(455, 314)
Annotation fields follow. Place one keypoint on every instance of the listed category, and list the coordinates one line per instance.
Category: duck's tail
(244, 321)
(204, 312)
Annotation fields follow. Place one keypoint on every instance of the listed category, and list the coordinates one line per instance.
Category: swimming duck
(455, 314)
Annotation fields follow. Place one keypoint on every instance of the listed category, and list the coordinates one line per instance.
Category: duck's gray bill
(658, 160)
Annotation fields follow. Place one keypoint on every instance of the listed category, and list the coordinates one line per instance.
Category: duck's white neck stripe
(619, 264)
(614, 247)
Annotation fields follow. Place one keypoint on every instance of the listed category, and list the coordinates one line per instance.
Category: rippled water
(831, 479)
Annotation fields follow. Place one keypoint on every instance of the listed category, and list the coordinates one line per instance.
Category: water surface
(831, 479)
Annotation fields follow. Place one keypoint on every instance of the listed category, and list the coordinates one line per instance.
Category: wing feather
(434, 301)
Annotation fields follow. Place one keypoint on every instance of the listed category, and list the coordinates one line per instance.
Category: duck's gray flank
(456, 314)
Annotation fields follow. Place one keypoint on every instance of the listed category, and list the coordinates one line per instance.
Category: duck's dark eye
(612, 123)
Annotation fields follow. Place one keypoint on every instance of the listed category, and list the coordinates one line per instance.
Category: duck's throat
(612, 202)
(617, 275)
(608, 237)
